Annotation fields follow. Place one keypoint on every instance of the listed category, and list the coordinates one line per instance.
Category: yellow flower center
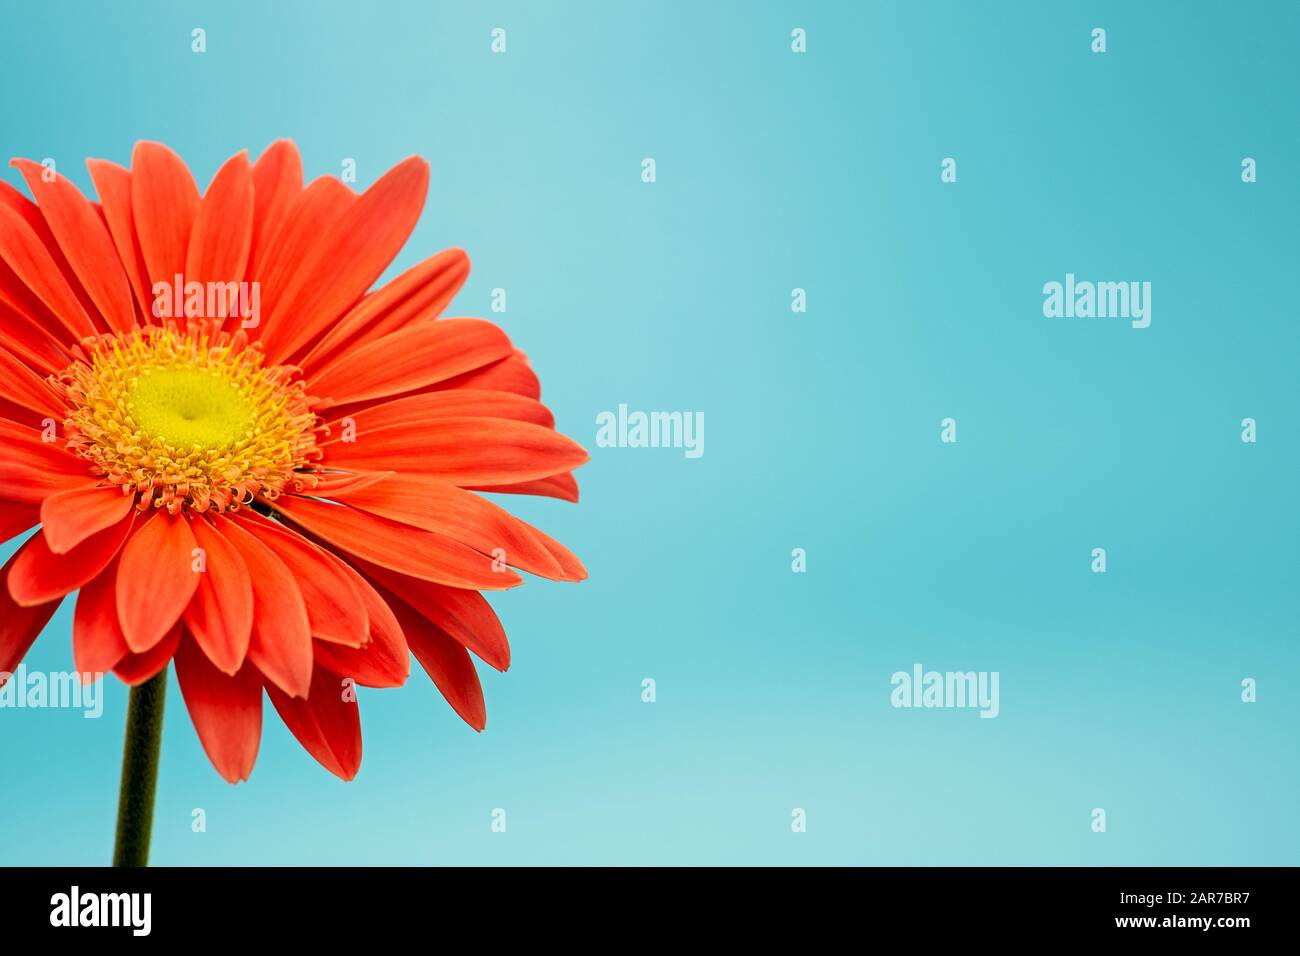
(188, 418)
(188, 407)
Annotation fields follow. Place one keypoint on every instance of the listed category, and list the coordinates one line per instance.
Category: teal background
(778, 170)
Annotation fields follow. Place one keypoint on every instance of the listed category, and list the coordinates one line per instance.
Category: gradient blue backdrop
(775, 171)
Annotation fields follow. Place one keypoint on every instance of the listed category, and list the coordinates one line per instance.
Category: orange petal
(334, 607)
(31, 341)
(399, 547)
(463, 451)
(447, 663)
(510, 374)
(226, 710)
(23, 449)
(164, 200)
(564, 487)
(332, 485)
(70, 517)
(349, 258)
(327, 725)
(281, 643)
(20, 385)
(32, 263)
(23, 481)
(85, 240)
(386, 660)
(454, 403)
(97, 642)
(423, 353)
(31, 470)
(40, 575)
(421, 292)
(17, 517)
(277, 182)
(113, 183)
(22, 301)
(31, 215)
(223, 230)
(16, 416)
(568, 561)
(465, 616)
(156, 578)
(220, 617)
(434, 505)
(135, 669)
(311, 215)
(19, 624)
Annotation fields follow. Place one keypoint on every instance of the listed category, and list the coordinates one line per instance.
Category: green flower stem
(144, 720)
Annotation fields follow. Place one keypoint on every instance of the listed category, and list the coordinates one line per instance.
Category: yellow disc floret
(188, 418)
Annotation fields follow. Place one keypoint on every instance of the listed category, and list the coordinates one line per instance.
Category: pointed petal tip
(150, 144)
(149, 147)
(93, 162)
(232, 777)
(27, 600)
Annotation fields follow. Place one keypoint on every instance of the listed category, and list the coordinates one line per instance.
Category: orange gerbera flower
(248, 463)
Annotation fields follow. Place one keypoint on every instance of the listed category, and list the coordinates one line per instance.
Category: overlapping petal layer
(282, 500)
